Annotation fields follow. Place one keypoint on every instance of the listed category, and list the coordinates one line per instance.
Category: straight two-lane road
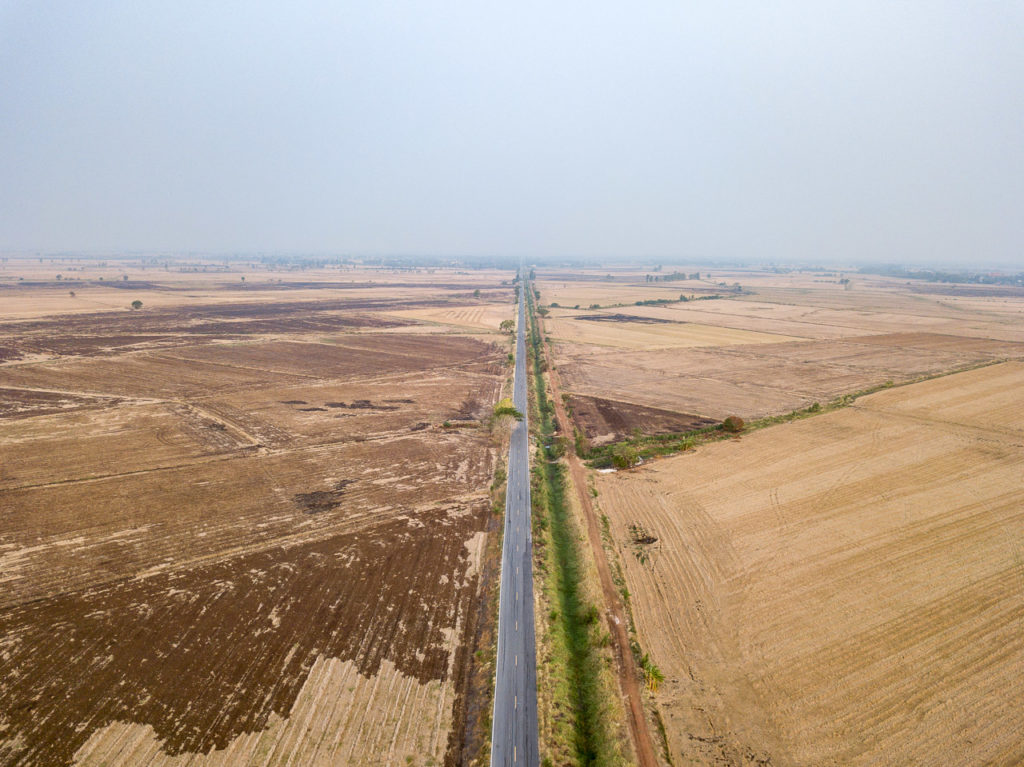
(514, 732)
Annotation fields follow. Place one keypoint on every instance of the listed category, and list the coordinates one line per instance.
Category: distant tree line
(933, 275)
(671, 277)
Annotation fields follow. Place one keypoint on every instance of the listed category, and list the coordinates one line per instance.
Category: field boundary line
(186, 360)
(950, 426)
(669, 445)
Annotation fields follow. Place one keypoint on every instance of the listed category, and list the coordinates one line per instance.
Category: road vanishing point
(514, 731)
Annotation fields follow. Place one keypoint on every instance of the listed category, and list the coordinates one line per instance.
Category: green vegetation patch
(505, 407)
(580, 728)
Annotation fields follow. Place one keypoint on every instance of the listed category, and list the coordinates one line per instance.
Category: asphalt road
(514, 732)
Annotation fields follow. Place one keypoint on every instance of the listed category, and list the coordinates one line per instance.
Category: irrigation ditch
(581, 715)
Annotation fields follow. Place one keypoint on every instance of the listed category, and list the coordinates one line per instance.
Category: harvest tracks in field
(872, 549)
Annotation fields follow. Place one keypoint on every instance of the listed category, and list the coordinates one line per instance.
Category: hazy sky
(885, 131)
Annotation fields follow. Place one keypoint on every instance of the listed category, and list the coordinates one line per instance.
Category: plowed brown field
(606, 420)
(841, 590)
(248, 538)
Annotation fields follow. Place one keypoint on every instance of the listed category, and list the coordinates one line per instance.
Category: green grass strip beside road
(578, 730)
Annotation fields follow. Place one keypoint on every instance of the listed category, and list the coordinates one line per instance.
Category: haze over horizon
(793, 132)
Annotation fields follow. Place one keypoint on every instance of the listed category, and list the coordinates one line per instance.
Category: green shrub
(624, 456)
(505, 407)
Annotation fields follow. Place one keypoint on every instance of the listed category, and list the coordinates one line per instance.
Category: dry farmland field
(840, 590)
(250, 521)
(783, 343)
(245, 523)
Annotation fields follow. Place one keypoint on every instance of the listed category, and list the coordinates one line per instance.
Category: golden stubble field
(234, 526)
(840, 590)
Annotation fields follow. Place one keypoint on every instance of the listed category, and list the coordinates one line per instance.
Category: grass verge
(575, 716)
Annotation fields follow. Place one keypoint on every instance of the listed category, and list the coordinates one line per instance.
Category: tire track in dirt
(685, 639)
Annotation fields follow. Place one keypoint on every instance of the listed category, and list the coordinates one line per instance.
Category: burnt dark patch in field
(977, 291)
(10, 353)
(312, 410)
(74, 345)
(205, 369)
(627, 318)
(22, 284)
(322, 500)
(313, 285)
(419, 426)
(606, 420)
(329, 324)
(220, 320)
(469, 409)
(134, 285)
(207, 653)
(67, 344)
(401, 401)
(362, 404)
(294, 402)
(299, 285)
(23, 403)
(356, 354)
(640, 535)
(471, 725)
